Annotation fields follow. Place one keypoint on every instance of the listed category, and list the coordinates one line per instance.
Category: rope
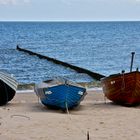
(66, 98)
(38, 99)
(68, 113)
(105, 99)
(76, 126)
(67, 110)
(20, 116)
(123, 82)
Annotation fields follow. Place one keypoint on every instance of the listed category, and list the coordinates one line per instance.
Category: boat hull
(122, 88)
(62, 96)
(7, 88)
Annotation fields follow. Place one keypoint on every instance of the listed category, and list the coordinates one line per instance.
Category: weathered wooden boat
(8, 86)
(123, 88)
(60, 94)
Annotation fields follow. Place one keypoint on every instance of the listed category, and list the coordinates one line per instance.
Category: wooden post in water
(94, 75)
(132, 58)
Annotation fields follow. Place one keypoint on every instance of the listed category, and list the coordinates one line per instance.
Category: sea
(101, 47)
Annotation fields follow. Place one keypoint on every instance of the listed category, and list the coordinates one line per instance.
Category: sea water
(102, 47)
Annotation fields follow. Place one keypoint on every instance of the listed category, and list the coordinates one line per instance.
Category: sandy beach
(25, 118)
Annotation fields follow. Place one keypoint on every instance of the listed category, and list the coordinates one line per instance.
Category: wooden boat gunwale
(10, 81)
(119, 74)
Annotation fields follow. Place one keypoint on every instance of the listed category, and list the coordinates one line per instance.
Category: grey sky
(55, 10)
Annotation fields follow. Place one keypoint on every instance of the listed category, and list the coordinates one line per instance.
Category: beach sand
(25, 118)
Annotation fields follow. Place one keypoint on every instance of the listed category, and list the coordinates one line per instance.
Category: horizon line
(69, 20)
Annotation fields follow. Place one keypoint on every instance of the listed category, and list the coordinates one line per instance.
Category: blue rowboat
(60, 94)
(8, 86)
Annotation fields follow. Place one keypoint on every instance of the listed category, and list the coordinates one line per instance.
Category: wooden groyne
(94, 75)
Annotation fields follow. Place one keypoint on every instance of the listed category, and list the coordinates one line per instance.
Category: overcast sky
(71, 10)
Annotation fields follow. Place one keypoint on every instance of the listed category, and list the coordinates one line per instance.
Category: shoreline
(95, 89)
(87, 85)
